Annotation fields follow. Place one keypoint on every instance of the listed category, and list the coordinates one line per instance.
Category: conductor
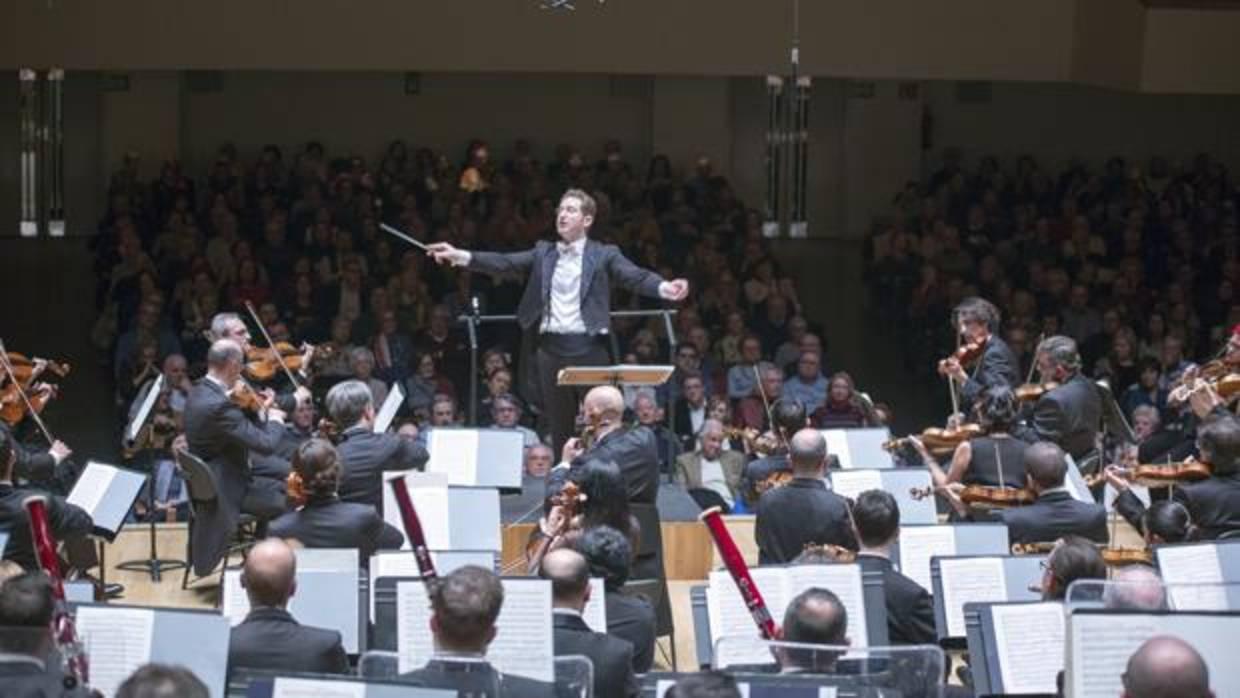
(567, 299)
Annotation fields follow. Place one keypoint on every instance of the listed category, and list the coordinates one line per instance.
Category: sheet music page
(920, 543)
(968, 580)
(455, 452)
(837, 445)
(313, 688)
(414, 645)
(413, 481)
(850, 483)
(327, 560)
(1029, 642)
(595, 614)
(524, 643)
(91, 485)
(845, 581)
(118, 641)
(1110, 494)
(392, 403)
(148, 402)
(1194, 577)
(234, 604)
(431, 503)
(1100, 648)
(404, 564)
(729, 616)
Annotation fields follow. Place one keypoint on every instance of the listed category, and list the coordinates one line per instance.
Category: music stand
(620, 374)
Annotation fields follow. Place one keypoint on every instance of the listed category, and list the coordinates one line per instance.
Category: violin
(262, 365)
(836, 553)
(1167, 474)
(27, 369)
(1118, 557)
(1226, 385)
(1032, 391)
(1040, 548)
(938, 441)
(13, 408)
(760, 445)
(245, 397)
(985, 496)
(777, 479)
(965, 354)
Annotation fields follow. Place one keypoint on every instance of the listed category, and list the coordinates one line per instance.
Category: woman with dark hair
(322, 520)
(1073, 558)
(995, 459)
(1166, 521)
(604, 501)
(844, 408)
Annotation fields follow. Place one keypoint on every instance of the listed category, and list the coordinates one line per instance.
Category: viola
(1166, 474)
(245, 397)
(262, 365)
(938, 441)
(985, 496)
(1033, 391)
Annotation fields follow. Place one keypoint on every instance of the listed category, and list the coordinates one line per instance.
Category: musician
(690, 410)
(977, 321)
(711, 474)
(1213, 504)
(51, 468)
(995, 459)
(910, 610)
(1072, 558)
(804, 511)
(26, 611)
(633, 450)
(650, 415)
(220, 433)
(364, 455)
(631, 618)
(611, 656)
(67, 521)
(1070, 414)
(465, 605)
(789, 416)
(816, 616)
(1166, 666)
(323, 520)
(1166, 522)
(751, 411)
(269, 638)
(567, 298)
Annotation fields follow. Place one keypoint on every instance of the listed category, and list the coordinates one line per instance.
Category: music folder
(963, 579)
(859, 448)
(477, 457)
(120, 639)
(452, 518)
(387, 412)
(144, 410)
(1201, 576)
(1017, 648)
(107, 493)
(621, 374)
(900, 482)
(402, 563)
(917, 544)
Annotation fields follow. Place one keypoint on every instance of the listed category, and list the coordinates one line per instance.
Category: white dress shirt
(565, 312)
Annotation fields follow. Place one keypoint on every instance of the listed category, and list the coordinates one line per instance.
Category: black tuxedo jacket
(222, 435)
(996, 367)
(21, 679)
(1069, 416)
(66, 521)
(269, 638)
(631, 618)
(636, 453)
(801, 512)
(364, 456)
(910, 609)
(611, 656)
(601, 266)
(331, 523)
(1054, 515)
(477, 679)
(1213, 505)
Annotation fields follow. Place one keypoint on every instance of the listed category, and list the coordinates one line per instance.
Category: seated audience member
(807, 385)
(362, 365)
(815, 617)
(705, 684)
(506, 414)
(691, 410)
(803, 511)
(844, 407)
(1072, 558)
(499, 382)
(1166, 667)
(364, 455)
(68, 522)
(538, 460)
(464, 606)
(301, 426)
(323, 521)
(743, 376)
(162, 681)
(269, 637)
(1136, 588)
(751, 412)
(612, 657)
(1154, 443)
(630, 618)
(910, 610)
(711, 474)
(26, 643)
(1146, 392)
(789, 419)
(443, 414)
(1213, 504)
(650, 415)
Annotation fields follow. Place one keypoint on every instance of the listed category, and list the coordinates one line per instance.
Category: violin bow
(34, 414)
(271, 345)
(766, 402)
(1034, 364)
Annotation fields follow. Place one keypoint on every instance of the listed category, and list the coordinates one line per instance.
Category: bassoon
(64, 630)
(735, 562)
(413, 529)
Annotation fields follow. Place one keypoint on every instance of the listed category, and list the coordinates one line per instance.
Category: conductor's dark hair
(999, 408)
(705, 684)
(876, 516)
(162, 681)
(788, 415)
(1220, 444)
(25, 612)
(609, 555)
(1170, 521)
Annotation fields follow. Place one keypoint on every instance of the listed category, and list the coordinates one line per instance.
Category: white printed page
(392, 403)
(414, 645)
(920, 543)
(118, 641)
(91, 486)
(1110, 494)
(234, 604)
(837, 445)
(311, 688)
(524, 644)
(1029, 642)
(970, 580)
(730, 617)
(850, 483)
(595, 614)
(148, 401)
(455, 452)
(1194, 577)
(434, 519)
(1100, 646)
(845, 582)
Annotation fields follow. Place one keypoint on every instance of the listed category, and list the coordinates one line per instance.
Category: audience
(711, 474)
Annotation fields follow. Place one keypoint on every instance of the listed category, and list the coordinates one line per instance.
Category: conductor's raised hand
(445, 253)
(674, 290)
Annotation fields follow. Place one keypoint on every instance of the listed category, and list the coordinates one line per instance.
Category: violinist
(994, 364)
(994, 459)
(1070, 414)
(1073, 558)
(751, 411)
(1214, 503)
(789, 417)
(364, 455)
(804, 511)
(67, 521)
(910, 609)
(633, 450)
(231, 326)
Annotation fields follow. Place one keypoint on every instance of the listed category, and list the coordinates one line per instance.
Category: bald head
(807, 450)
(605, 401)
(1135, 587)
(1045, 464)
(570, 578)
(270, 573)
(1166, 667)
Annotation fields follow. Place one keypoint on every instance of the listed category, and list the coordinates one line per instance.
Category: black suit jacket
(476, 678)
(801, 512)
(631, 618)
(611, 656)
(219, 433)
(269, 638)
(684, 426)
(66, 521)
(601, 266)
(910, 609)
(1054, 515)
(1213, 505)
(21, 679)
(331, 523)
(1069, 416)
(364, 456)
(635, 452)
(996, 367)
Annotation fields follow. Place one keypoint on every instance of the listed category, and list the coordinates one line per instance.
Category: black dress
(988, 453)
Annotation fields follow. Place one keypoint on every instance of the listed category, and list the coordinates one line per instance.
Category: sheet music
(730, 617)
(455, 452)
(1029, 642)
(118, 641)
(837, 445)
(313, 688)
(970, 580)
(524, 643)
(845, 581)
(431, 503)
(392, 403)
(920, 543)
(148, 402)
(414, 645)
(234, 604)
(91, 486)
(595, 613)
(1110, 494)
(1194, 577)
(404, 564)
(850, 483)
(1101, 646)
